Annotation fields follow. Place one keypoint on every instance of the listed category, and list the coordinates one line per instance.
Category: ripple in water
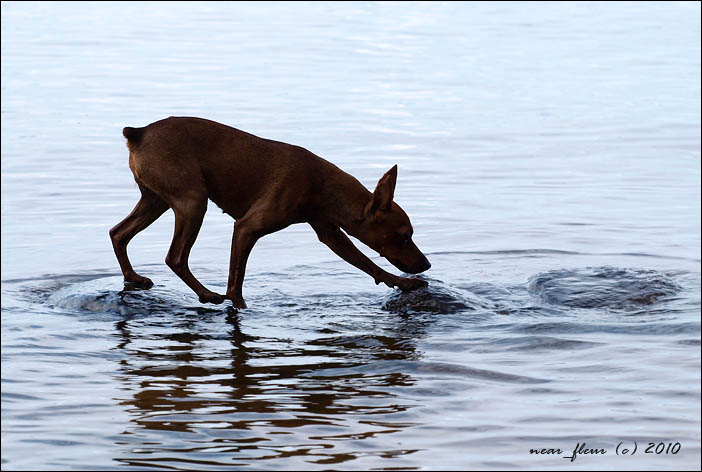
(602, 287)
(109, 296)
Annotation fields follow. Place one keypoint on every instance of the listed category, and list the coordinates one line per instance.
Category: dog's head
(386, 228)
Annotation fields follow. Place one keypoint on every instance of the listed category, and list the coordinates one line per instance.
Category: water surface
(549, 158)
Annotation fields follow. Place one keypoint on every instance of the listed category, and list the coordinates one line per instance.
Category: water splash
(602, 287)
(435, 298)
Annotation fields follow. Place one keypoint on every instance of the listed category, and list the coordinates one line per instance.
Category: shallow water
(549, 158)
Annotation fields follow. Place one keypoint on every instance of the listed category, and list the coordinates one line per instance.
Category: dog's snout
(426, 266)
(423, 266)
(415, 268)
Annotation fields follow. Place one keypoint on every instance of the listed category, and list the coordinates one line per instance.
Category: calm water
(549, 157)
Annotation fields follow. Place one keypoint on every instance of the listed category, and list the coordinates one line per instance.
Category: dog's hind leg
(189, 213)
(146, 211)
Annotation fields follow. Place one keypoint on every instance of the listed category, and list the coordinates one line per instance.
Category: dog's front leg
(243, 241)
(338, 242)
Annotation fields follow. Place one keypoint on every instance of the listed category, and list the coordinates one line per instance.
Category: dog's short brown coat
(265, 185)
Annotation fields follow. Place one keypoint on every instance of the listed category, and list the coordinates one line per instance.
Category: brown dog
(265, 186)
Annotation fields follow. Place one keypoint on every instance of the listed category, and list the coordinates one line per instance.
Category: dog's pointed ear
(384, 193)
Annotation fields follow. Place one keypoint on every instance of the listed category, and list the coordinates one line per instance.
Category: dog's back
(234, 168)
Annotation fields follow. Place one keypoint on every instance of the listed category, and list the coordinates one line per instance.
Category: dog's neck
(344, 201)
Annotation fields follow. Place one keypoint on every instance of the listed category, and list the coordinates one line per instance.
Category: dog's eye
(406, 238)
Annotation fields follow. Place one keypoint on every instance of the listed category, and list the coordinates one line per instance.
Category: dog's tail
(133, 135)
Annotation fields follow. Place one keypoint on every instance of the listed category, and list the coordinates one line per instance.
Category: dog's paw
(211, 297)
(139, 282)
(237, 301)
(406, 284)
